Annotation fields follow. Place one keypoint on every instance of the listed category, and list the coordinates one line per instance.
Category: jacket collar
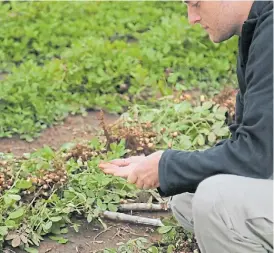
(257, 9)
(248, 27)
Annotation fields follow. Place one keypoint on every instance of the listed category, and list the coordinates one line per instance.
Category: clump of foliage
(178, 125)
(34, 206)
(67, 57)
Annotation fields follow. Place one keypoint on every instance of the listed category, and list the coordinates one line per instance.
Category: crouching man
(225, 193)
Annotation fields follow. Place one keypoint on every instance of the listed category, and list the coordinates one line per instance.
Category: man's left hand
(143, 174)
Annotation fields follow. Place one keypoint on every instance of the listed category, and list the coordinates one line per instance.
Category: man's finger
(132, 178)
(107, 166)
(147, 187)
(139, 184)
(120, 162)
(123, 173)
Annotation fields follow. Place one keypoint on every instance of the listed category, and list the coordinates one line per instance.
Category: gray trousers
(228, 214)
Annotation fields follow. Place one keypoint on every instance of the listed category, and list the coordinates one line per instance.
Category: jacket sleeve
(250, 151)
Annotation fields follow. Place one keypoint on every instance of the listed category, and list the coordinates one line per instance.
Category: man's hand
(145, 174)
(142, 171)
(121, 167)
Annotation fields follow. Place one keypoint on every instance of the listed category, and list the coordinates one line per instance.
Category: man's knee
(207, 195)
(181, 206)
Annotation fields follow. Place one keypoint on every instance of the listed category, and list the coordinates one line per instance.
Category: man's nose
(193, 17)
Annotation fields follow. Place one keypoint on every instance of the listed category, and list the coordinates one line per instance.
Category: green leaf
(10, 223)
(221, 132)
(170, 249)
(23, 184)
(17, 214)
(94, 143)
(59, 239)
(31, 250)
(182, 107)
(112, 207)
(47, 226)
(153, 249)
(76, 227)
(14, 197)
(220, 116)
(67, 146)
(207, 105)
(90, 201)
(3, 230)
(101, 205)
(64, 231)
(8, 199)
(164, 229)
(56, 218)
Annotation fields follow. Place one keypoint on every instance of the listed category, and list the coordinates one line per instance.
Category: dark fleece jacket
(249, 152)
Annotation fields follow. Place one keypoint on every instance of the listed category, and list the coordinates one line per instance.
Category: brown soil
(93, 238)
(74, 128)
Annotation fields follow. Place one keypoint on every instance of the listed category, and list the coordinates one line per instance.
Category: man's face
(214, 16)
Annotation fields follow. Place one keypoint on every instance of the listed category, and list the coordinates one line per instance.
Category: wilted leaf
(211, 137)
(24, 239)
(11, 236)
(90, 217)
(16, 241)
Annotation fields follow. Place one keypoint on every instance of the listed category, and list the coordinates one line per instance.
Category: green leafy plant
(42, 191)
(56, 63)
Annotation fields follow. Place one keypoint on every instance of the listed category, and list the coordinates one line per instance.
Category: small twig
(132, 218)
(94, 239)
(130, 231)
(157, 196)
(8, 250)
(99, 242)
(35, 197)
(118, 233)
